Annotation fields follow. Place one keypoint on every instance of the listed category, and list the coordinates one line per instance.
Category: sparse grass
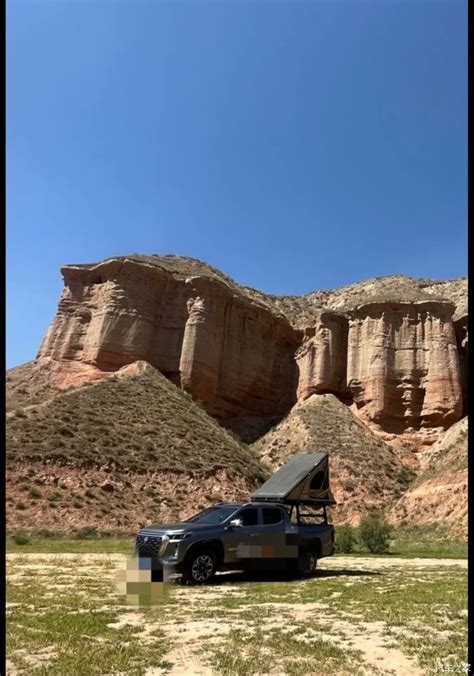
(70, 544)
(106, 424)
(54, 630)
(61, 609)
(26, 386)
(431, 542)
(427, 542)
(258, 652)
(415, 542)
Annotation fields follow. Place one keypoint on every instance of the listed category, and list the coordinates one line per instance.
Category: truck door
(277, 541)
(241, 542)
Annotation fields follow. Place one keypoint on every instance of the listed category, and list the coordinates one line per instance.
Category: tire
(200, 567)
(307, 563)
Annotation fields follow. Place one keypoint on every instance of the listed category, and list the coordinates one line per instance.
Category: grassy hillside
(366, 473)
(119, 454)
(139, 423)
(26, 385)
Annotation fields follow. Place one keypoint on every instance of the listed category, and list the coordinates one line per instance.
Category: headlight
(179, 536)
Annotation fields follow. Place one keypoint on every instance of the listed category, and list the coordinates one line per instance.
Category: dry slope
(118, 453)
(366, 473)
(439, 494)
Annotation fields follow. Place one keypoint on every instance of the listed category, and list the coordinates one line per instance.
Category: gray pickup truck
(269, 533)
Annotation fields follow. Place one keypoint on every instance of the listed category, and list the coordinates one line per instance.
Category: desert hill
(116, 453)
(366, 473)
(439, 493)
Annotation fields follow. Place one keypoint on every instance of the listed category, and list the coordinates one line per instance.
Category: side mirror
(235, 523)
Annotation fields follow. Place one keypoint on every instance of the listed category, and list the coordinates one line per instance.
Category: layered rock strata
(403, 365)
(321, 357)
(396, 355)
(233, 355)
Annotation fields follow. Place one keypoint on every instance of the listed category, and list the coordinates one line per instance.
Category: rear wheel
(308, 562)
(200, 567)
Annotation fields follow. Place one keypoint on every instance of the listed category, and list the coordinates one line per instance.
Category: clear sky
(294, 145)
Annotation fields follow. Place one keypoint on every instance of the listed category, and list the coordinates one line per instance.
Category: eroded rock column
(403, 365)
(321, 358)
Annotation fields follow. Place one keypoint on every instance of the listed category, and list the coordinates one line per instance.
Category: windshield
(214, 515)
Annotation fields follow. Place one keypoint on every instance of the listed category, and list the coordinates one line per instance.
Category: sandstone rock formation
(388, 345)
(403, 365)
(461, 330)
(234, 355)
(321, 357)
(368, 372)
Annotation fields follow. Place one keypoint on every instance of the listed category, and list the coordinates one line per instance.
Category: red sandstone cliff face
(403, 365)
(236, 357)
(322, 356)
(232, 354)
(461, 330)
(397, 355)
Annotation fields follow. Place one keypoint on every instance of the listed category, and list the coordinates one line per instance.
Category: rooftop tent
(305, 480)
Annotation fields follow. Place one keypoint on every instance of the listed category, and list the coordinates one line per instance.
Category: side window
(271, 515)
(249, 516)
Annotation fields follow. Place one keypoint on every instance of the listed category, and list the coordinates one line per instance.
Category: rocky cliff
(394, 348)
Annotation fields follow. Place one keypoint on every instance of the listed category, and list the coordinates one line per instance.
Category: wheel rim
(202, 568)
(311, 563)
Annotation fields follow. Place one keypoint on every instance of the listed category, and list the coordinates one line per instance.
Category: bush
(374, 533)
(21, 538)
(46, 533)
(345, 539)
(85, 533)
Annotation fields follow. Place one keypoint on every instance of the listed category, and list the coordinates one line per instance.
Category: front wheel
(200, 567)
(307, 564)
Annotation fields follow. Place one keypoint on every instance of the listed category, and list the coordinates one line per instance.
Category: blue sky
(295, 145)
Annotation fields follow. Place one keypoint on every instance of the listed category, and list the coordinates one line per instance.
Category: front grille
(148, 545)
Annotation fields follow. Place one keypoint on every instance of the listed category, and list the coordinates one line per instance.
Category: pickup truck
(268, 533)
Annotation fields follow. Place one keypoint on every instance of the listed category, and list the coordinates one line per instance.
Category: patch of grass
(260, 652)
(35, 493)
(427, 542)
(72, 544)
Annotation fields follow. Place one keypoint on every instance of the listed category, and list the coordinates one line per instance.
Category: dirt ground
(358, 615)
